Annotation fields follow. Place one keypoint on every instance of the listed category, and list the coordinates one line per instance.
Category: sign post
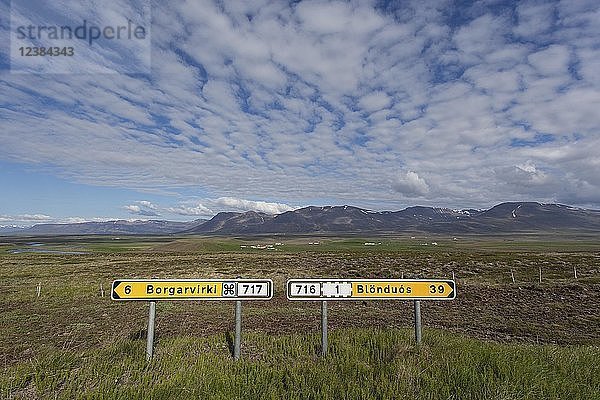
(324, 328)
(153, 290)
(418, 321)
(150, 335)
(238, 330)
(370, 289)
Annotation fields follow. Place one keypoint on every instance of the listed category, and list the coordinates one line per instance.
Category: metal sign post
(370, 289)
(418, 322)
(150, 335)
(324, 328)
(238, 330)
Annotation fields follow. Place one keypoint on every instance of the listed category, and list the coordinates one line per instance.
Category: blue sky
(273, 105)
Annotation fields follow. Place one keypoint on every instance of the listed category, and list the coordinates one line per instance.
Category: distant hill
(503, 218)
(10, 229)
(119, 227)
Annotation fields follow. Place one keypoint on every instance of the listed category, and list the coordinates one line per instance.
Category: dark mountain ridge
(502, 218)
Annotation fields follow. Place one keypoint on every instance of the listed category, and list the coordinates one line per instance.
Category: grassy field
(498, 339)
(362, 364)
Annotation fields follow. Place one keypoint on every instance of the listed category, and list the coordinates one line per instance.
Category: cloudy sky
(272, 105)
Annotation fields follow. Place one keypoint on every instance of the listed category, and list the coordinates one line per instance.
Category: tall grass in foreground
(362, 364)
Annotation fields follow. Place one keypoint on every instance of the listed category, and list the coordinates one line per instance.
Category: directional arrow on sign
(117, 291)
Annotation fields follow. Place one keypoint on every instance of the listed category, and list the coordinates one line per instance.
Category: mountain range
(118, 227)
(505, 217)
(502, 218)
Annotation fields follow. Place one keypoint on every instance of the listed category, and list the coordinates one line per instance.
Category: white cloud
(480, 36)
(148, 205)
(410, 184)
(143, 208)
(133, 209)
(525, 176)
(196, 209)
(208, 207)
(33, 218)
(534, 19)
(553, 60)
(250, 205)
(375, 101)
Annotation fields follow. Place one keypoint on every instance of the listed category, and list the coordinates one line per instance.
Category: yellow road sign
(192, 289)
(374, 289)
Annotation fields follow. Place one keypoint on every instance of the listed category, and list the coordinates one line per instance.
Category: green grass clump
(361, 364)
